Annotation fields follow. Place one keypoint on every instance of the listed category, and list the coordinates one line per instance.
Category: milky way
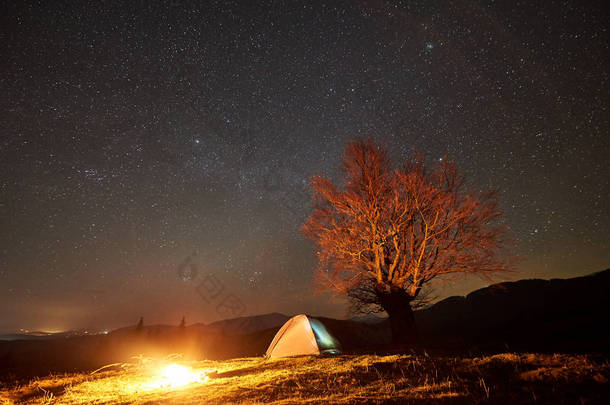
(141, 136)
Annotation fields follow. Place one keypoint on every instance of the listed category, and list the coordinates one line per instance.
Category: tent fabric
(301, 335)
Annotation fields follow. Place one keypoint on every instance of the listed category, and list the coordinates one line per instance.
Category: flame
(175, 376)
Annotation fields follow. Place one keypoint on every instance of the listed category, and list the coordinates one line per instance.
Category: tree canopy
(397, 228)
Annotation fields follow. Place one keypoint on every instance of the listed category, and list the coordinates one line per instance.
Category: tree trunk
(397, 303)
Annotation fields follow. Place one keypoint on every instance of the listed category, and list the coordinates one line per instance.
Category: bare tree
(387, 232)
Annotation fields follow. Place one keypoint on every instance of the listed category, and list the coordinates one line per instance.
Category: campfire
(175, 376)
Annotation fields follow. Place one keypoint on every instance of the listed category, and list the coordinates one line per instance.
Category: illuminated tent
(302, 334)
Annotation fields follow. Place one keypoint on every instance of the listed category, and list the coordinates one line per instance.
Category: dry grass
(504, 378)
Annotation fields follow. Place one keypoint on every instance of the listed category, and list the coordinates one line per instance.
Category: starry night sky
(140, 139)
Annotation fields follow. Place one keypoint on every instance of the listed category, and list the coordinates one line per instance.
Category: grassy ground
(503, 378)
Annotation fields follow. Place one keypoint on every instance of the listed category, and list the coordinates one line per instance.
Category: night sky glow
(135, 134)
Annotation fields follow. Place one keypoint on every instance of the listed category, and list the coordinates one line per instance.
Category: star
(204, 135)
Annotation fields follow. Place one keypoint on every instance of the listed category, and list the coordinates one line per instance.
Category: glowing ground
(503, 378)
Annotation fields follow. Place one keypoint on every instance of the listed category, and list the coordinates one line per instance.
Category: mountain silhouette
(556, 314)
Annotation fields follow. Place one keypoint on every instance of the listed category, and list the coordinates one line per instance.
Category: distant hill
(525, 315)
(235, 326)
(557, 314)
(370, 318)
(249, 324)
